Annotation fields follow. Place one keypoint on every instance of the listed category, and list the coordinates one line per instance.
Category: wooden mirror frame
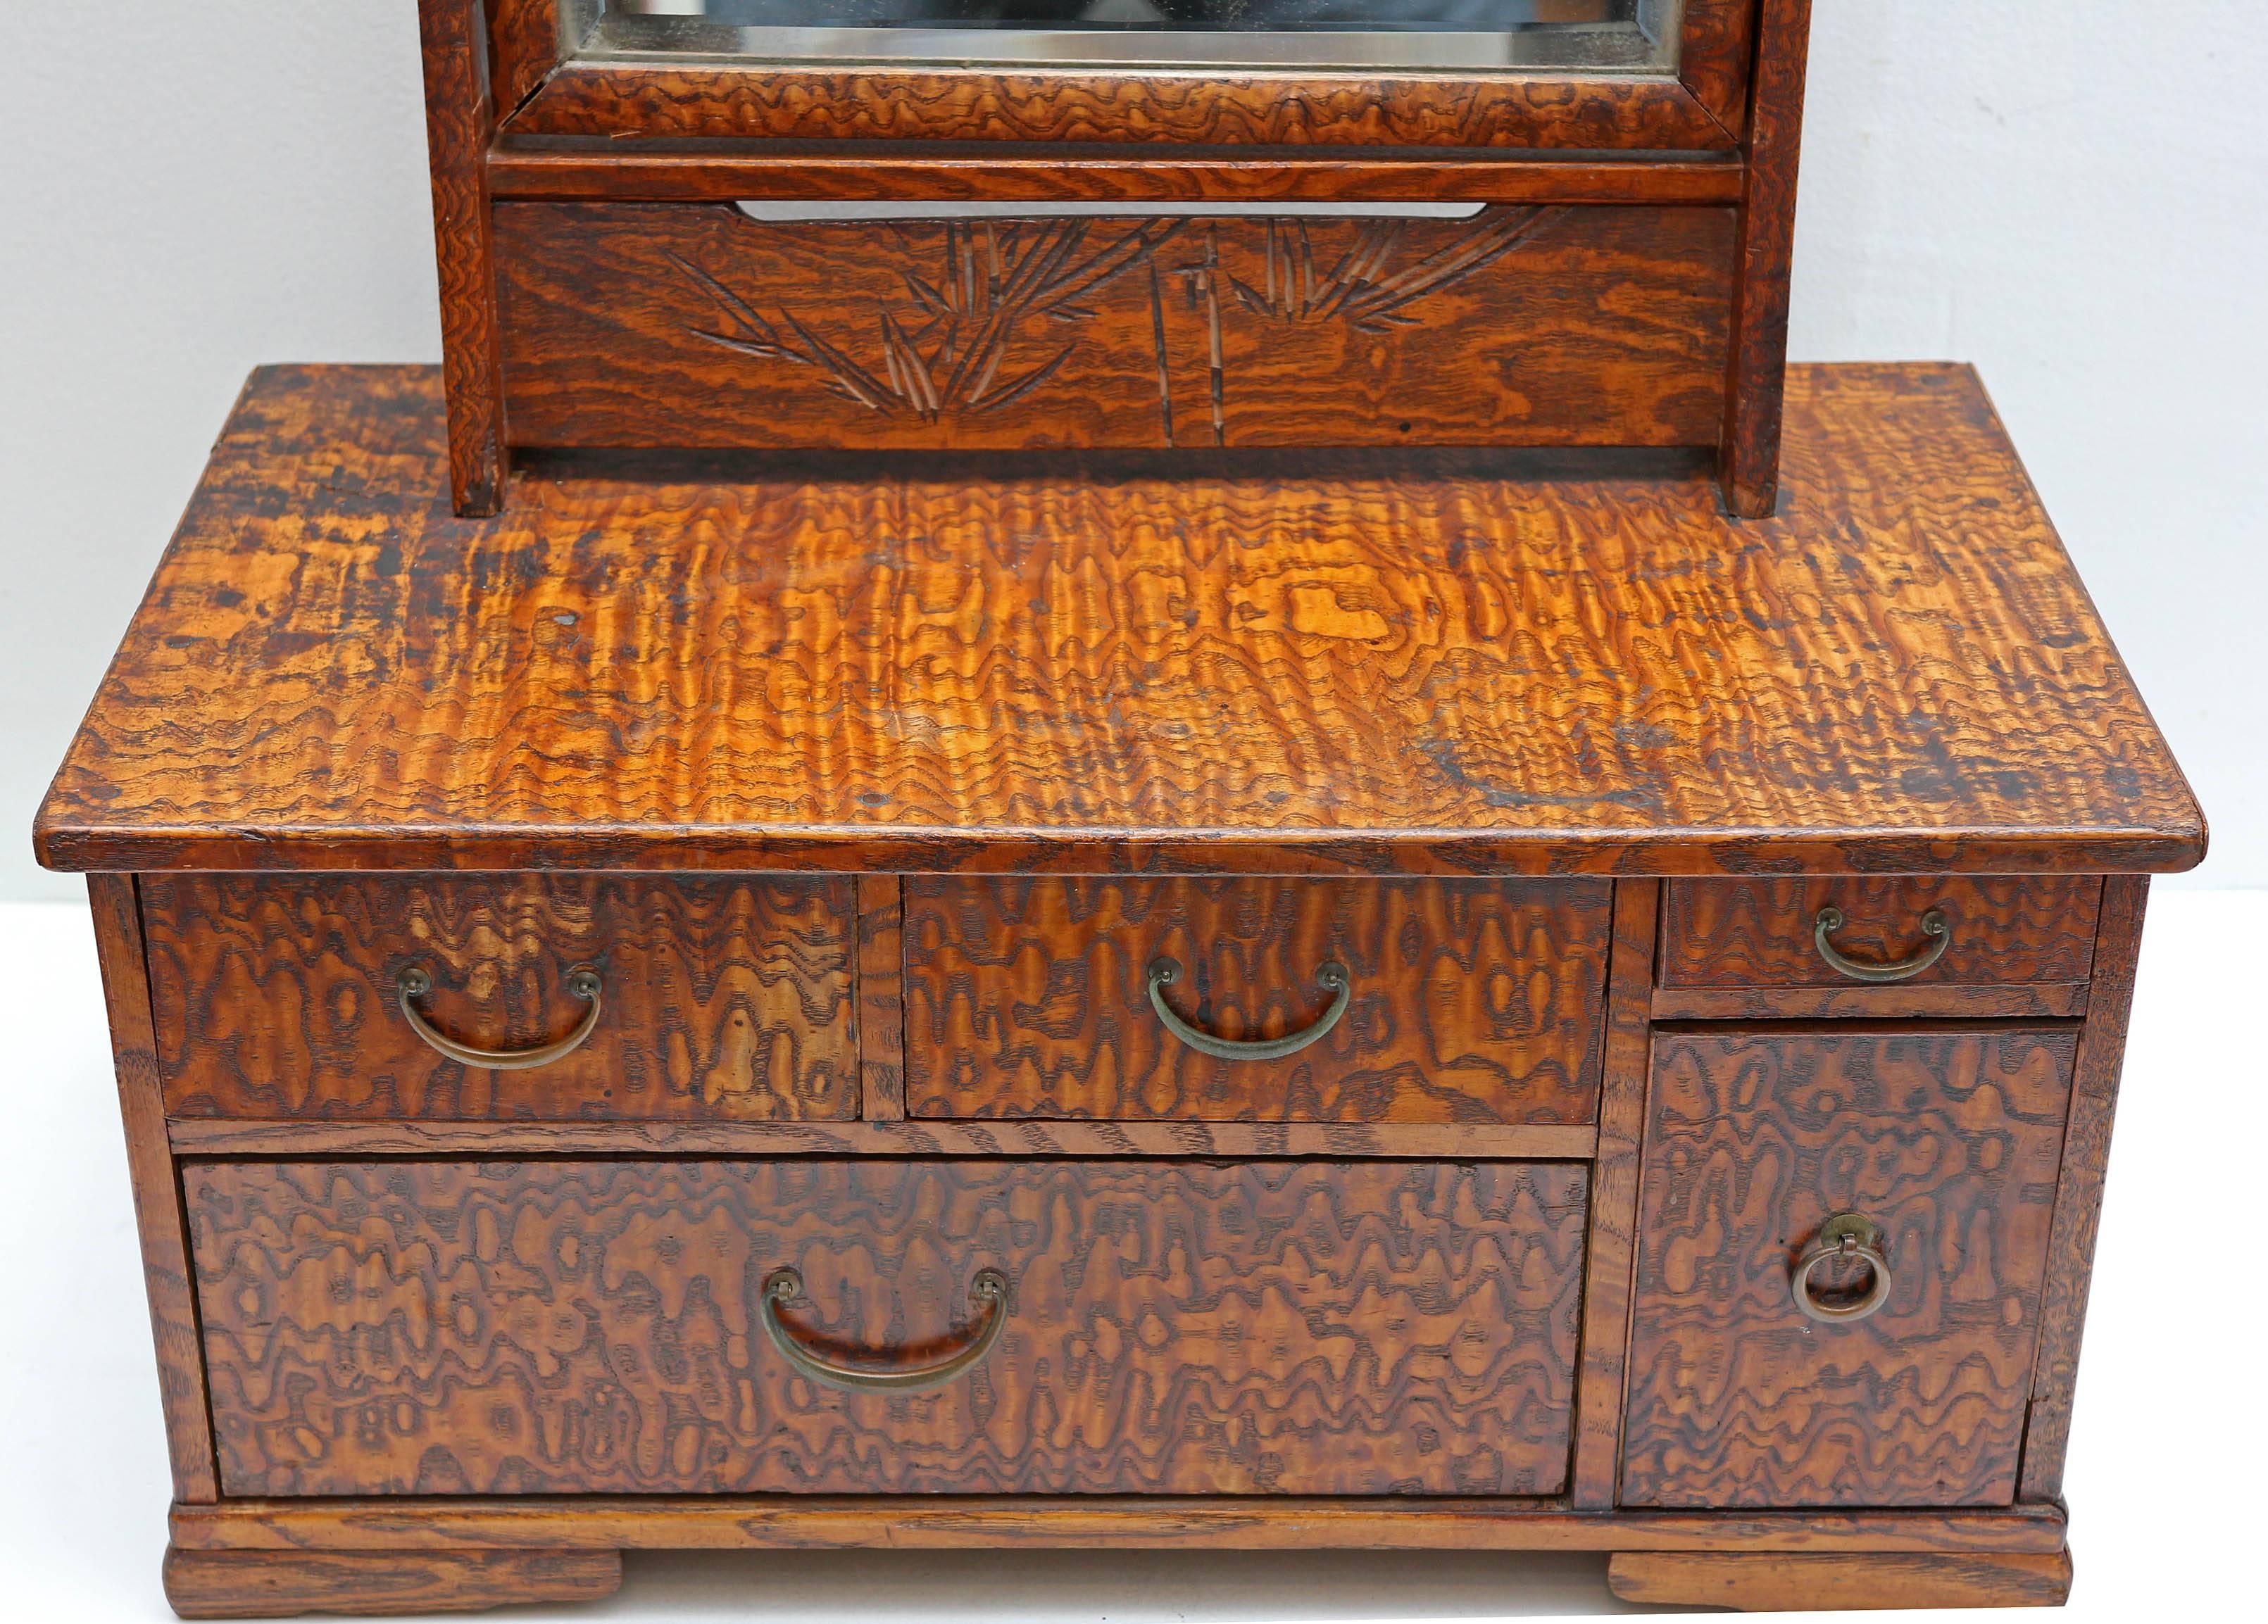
(1704, 107)
(510, 120)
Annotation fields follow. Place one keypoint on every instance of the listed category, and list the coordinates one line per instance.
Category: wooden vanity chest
(1094, 779)
(1199, 226)
(1436, 1001)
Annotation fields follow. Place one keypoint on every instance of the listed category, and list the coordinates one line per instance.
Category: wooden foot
(272, 1584)
(1770, 1584)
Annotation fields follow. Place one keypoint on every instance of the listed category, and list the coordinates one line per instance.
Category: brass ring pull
(414, 983)
(1850, 1236)
(988, 1293)
(1932, 926)
(1165, 971)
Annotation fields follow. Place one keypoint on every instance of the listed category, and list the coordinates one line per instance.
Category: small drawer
(1769, 933)
(1290, 1000)
(1938, 1150)
(708, 1000)
(951, 1326)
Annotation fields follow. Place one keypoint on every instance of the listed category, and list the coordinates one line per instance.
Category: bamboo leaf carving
(937, 348)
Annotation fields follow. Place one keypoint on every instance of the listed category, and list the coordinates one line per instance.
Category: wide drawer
(1172, 1327)
(691, 324)
(1463, 1000)
(1765, 933)
(714, 999)
(1943, 1145)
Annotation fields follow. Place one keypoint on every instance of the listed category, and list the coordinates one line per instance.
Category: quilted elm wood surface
(1345, 671)
(570, 1327)
(1473, 1000)
(721, 1000)
(1759, 932)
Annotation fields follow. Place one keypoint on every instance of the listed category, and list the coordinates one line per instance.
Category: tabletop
(1356, 664)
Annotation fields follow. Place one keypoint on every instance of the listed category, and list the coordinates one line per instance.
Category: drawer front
(1466, 1001)
(691, 324)
(719, 1000)
(1745, 933)
(573, 1328)
(1948, 1141)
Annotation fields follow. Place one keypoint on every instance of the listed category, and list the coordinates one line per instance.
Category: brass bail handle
(413, 984)
(1165, 971)
(987, 1293)
(1932, 926)
(1848, 1236)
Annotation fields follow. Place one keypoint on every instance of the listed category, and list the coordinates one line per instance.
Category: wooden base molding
(1076, 1522)
(1815, 1583)
(267, 1584)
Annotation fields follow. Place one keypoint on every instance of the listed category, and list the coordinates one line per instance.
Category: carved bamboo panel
(1949, 1141)
(427, 1328)
(658, 324)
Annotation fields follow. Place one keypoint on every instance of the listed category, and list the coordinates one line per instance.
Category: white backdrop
(2074, 197)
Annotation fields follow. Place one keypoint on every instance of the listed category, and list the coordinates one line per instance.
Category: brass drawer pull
(1932, 926)
(988, 1293)
(1853, 1238)
(1165, 971)
(414, 983)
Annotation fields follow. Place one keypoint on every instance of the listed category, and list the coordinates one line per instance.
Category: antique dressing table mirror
(1258, 842)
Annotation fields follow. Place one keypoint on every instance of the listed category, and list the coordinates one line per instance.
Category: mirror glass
(1599, 36)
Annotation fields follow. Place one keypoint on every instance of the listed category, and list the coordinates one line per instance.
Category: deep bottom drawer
(1175, 1327)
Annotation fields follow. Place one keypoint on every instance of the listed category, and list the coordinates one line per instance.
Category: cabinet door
(1945, 1142)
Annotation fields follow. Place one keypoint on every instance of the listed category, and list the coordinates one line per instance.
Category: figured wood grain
(881, 998)
(1338, 670)
(1807, 1584)
(1026, 1136)
(1207, 107)
(1758, 933)
(1948, 1139)
(663, 324)
(269, 1584)
(576, 1328)
(721, 999)
(1613, 1243)
(1471, 1002)
(1715, 57)
(1749, 456)
(524, 47)
(594, 169)
(960, 1522)
(2080, 1184)
(158, 1225)
(459, 118)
